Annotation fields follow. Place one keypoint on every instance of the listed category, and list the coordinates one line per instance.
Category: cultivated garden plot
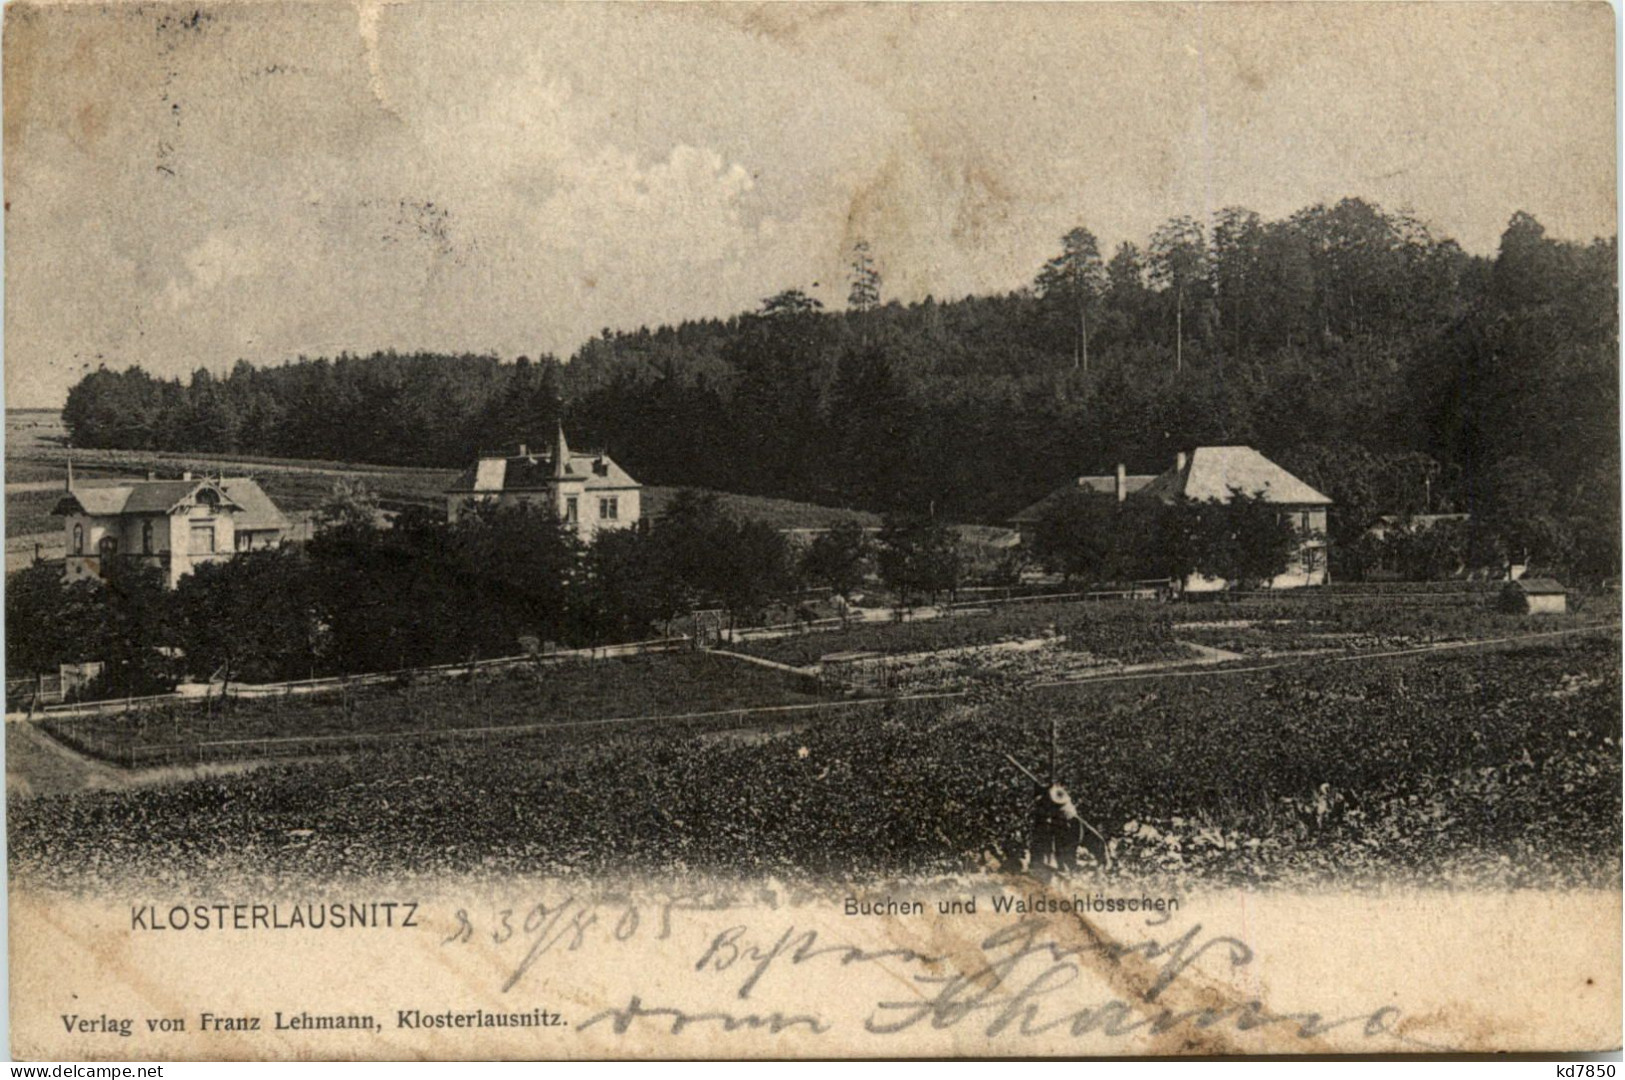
(1054, 641)
(1492, 769)
(1336, 623)
(542, 696)
(1126, 632)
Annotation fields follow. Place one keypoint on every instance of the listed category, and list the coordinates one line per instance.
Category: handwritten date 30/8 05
(1035, 976)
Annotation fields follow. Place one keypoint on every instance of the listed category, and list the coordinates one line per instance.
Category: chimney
(1179, 461)
(187, 475)
(1122, 482)
(151, 476)
(524, 450)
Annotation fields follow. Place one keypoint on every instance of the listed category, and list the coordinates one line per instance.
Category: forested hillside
(1378, 360)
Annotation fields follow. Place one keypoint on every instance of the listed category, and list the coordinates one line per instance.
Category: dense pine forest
(1374, 358)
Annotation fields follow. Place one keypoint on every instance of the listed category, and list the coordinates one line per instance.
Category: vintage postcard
(544, 530)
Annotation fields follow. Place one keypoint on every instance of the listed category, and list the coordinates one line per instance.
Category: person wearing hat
(1057, 831)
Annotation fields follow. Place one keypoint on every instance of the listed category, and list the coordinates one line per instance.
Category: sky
(274, 179)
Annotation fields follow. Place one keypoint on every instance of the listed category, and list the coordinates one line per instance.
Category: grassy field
(34, 429)
(47, 472)
(298, 484)
(1495, 770)
(564, 694)
(29, 512)
(779, 513)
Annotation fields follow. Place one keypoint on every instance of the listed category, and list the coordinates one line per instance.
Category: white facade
(1218, 472)
(587, 490)
(174, 525)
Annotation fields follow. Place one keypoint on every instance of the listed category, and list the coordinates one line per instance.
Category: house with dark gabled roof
(585, 489)
(1534, 596)
(174, 525)
(1119, 486)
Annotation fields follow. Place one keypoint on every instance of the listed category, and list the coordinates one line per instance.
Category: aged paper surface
(337, 780)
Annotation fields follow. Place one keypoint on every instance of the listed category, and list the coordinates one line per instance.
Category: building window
(108, 546)
(78, 539)
(572, 509)
(202, 540)
(245, 541)
(146, 538)
(609, 509)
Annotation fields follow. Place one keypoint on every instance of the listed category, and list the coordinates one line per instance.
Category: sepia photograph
(811, 530)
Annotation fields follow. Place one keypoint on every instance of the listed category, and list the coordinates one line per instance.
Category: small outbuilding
(1534, 596)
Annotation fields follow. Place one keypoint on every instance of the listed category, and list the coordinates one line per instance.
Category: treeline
(1339, 334)
(390, 409)
(362, 598)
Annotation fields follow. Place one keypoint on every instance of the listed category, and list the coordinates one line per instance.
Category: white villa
(586, 490)
(174, 525)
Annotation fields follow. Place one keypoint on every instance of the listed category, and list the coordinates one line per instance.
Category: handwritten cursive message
(1032, 976)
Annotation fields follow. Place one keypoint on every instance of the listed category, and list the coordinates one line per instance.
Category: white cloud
(221, 259)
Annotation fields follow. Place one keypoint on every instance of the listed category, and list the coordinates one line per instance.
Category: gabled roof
(1212, 472)
(145, 497)
(162, 496)
(536, 472)
(1087, 485)
(96, 501)
(1540, 586)
(256, 510)
(251, 507)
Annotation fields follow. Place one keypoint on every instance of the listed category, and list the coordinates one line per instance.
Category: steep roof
(1213, 472)
(1087, 485)
(151, 496)
(256, 510)
(96, 501)
(536, 472)
(162, 496)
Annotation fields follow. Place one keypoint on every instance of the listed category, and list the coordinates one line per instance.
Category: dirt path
(37, 764)
(762, 661)
(1207, 654)
(1018, 645)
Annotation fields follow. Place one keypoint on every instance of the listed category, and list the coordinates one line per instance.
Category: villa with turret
(585, 489)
